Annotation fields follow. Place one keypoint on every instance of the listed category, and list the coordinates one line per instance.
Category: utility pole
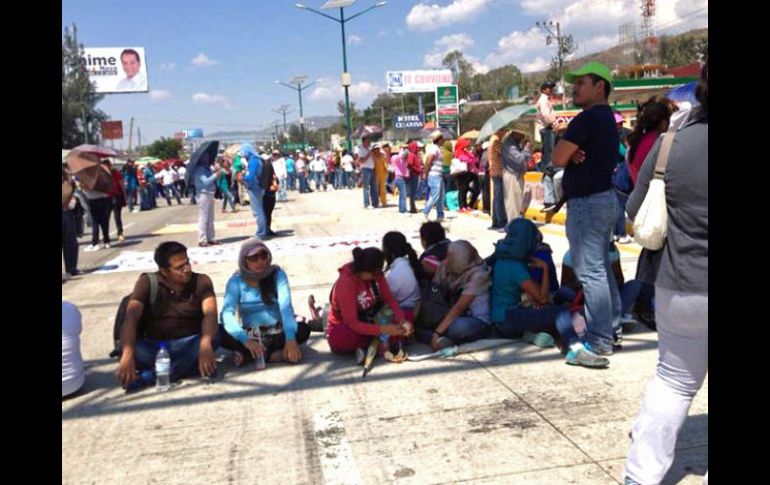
(139, 136)
(559, 52)
(382, 116)
(85, 123)
(130, 134)
(282, 110)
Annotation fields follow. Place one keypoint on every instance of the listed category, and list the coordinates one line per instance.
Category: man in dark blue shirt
(589, 151)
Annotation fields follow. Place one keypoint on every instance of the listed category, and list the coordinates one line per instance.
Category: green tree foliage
(165, 148)
(78, 97)
(495, 84)
(682, 50)
(462, 71)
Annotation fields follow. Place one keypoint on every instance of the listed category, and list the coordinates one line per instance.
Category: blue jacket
(253, 174)
(205, 181)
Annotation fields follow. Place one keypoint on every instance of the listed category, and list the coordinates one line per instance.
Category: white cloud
(431, 17)
(204, 98)
(449, 43)
(167, 66)
(201, 60)
(322, 93)
(159, 94)
(455, 41)
(355, 40)
(362, 92)
(383, 33)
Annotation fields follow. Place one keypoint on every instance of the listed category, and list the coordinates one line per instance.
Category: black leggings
(268, 204)
(467, 181)
(272, 342)
(100, 218)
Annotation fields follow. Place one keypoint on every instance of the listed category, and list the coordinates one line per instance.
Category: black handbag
(435, 302)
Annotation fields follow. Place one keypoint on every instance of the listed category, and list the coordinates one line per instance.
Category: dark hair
(394, 245)
(702, 91)
(106, 161)
(267, 289)
(432, 232)
(607, 85)
(130, 51)
(164, 252)
(651, 113)
(369, 259)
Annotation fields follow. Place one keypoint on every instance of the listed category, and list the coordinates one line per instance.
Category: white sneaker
(91, 248)
(625, 240)
(135, 211)
(427, 218)
(106, 246)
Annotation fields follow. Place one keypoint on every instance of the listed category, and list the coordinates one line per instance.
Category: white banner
(116, 69)
(417, 81)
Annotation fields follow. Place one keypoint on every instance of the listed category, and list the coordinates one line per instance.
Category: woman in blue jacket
(258, 299)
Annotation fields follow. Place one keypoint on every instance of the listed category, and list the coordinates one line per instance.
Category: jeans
(620, 224)
(152, 190)
(484, 182)
(589, 229)
(183, 352)
(411, 184)
(338, 178)
(100, 212)
(258, 210)
(401, 185)
(347, 180)
(268, 204)
(117, 209)
(548, 137)
(302, 183)
(499, 219)
(227, 197)
(69, 241)
(144, 198)
(683, 325)
(552, 187)
(519, 320)
(319, 180)
(462, 330)
(169, 191)
(436, 185)
(193, 194)
(130, 195)
(292, 179)
(282, 195)
(629, 293)
(205, 218)
(370, 187)
(234, 191)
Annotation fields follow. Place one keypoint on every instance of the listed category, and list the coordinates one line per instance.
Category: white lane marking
(335, 454)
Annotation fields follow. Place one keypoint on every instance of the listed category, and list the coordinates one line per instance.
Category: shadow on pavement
(692, 460)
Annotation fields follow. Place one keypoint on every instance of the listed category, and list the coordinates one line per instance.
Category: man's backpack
(121, 316)
(266, 177)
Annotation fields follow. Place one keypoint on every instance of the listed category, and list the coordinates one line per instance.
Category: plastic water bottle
(259, 362)
(162, 369)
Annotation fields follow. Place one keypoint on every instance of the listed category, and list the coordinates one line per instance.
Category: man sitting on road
(184, 315)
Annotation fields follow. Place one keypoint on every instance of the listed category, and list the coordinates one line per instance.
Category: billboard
(112, 130)
(116, 69)
(194, 133)
(408, 121)
(447, 107)
(417, 81)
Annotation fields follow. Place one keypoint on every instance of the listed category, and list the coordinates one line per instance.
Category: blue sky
(213, 64)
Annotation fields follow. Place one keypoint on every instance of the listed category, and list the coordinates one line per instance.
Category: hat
(547, 84)
(384, 144)
(376, 146)
(592, 67)
(519, 131)
(619, 118)
(436, 135)
(276, 152)
(265, 156)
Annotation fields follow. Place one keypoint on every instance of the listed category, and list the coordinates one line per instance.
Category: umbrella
(368, 131)
(470, 135)
(205, 154)
(146, 160)
(89, 170)
(371, 354)
(64, 155)
(448, 134)
(501, 119)
(685, 92)
(232, 150)
(97, 150)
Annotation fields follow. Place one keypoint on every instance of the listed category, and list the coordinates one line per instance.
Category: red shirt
(645, 145)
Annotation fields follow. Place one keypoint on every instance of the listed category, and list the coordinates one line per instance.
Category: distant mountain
(311, 123)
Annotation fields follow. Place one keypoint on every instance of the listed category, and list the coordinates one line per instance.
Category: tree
(353, 114)
(165, 148)
(462, 72)
(495, 84)
(78, 96)
(683, 50)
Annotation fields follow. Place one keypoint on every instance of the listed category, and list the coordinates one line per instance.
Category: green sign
(447, 107)
(293, 146)
(446, 95)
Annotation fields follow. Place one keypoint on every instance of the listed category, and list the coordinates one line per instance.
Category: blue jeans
(347, 180)
(620, 224)
(401, 185)
(255, 200)
(519, 320)
(411, 189)
(130, 194)
(548, 137)
(463, 329)
(590, 221)
(69, 240)
(183, 351)
(370, 187)
(227, 198)
(282, 195)
(302, 183)
(629, 293)
(499, 218)
(552, 187)
(338, 178)
(436, 186)
(319, 180)
(292, 179)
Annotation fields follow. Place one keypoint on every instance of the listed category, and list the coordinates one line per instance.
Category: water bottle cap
(162, 345)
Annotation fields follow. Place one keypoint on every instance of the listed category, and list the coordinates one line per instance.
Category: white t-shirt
(138, 82)
(347, 163)
(280, 168)
(182, 170)
(437, 167)
(366, 157)
(166, 177)
(73, 373)
(174, 175)
(402, 283)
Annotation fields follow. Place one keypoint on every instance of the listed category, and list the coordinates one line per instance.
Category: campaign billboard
(417, 81)
(116, 69)
(447, 107)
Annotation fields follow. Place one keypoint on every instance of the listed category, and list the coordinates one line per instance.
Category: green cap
(592, 67)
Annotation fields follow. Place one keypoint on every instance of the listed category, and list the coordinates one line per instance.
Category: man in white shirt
(134, 80)
(544, 121)
(166, 177)
(73, 372)
(365, 160)
(318, 167)
(279, 165)
(347, 169)
(433, 172)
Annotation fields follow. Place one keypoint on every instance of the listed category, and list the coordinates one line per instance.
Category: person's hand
(579, 156)
(538, 263)
(126, 369)
(291, 352)
(408, 328)
(206, 363)
(255, 348)
(393, 330)
(434, 342)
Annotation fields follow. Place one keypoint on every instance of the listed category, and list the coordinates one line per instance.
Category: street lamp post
(282, 110)
(345, 74)
(298, 80)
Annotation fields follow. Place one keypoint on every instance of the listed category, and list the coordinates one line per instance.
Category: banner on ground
(417, 81)
(116, 69)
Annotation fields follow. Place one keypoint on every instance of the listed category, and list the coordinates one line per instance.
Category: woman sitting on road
(464, 279)
(435, 243)
(358, 296)
(401, 273)
(259, 292)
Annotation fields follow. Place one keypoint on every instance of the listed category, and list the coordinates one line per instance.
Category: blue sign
(408, 121)
(194, 133)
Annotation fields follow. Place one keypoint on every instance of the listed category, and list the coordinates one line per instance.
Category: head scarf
(464, 269)
(243, 269)
(460, 146)
(520, 240)
(413, 147)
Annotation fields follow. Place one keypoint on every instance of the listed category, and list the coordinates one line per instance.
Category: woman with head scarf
(259, 292)
(465, 278)
(468, 180)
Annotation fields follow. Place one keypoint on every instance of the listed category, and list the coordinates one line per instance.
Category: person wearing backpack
(259, 293)
(183, 315)
(253, 182)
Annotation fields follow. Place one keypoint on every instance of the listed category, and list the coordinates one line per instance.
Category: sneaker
(444, 342)
(625, 240)
(106, 246)
(427, 218)
(599, 350)
(540, 339)
(360, 356)
(617, 338)
(586, 358)
(91, 248)
(548, 208)
(630, 481)
(135, 211)
(440, 219)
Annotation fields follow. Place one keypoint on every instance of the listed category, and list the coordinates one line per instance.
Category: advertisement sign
(116, 69)
(112, 130)
(417, 81)
(179, 135)
(447, 107)
(408, 121)
(194, 133)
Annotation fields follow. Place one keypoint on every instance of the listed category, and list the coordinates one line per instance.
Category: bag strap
(665, 151)
(153, 288)
(376, 291)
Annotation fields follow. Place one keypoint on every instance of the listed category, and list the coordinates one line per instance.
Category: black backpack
(120, 317)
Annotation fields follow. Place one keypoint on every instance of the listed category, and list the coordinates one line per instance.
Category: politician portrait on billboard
(116, 69)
